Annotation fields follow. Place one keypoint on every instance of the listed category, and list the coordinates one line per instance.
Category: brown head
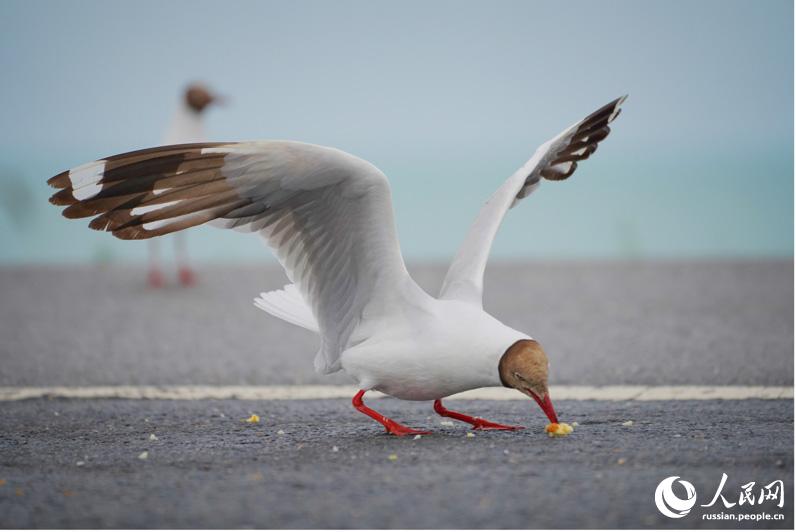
(524, 366)
(198, 97)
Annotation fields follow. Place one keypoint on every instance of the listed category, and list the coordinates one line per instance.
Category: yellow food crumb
(393, 457)
(254, 418)
(558, 429)
(470, 435)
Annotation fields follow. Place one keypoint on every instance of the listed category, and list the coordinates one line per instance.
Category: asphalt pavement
(73, 463)
(602, 323)
(318, 463)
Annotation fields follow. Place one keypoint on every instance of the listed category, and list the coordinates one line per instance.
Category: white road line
(580, 393)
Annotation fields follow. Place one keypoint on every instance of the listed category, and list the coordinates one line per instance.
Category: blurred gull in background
(186, 126)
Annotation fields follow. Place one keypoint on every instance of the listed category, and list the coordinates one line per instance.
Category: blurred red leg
(187, 276)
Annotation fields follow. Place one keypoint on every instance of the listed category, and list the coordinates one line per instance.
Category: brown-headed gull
(187, 125)
(328, 217)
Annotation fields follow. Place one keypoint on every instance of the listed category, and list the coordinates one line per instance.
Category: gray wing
(554, 160)
(326, 214)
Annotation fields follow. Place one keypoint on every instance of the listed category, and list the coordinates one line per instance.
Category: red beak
(547, 406)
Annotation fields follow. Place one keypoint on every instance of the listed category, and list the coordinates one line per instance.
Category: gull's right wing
(326, 214)
(555, 160)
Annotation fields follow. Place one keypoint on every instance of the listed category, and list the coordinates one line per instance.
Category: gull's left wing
(555, 160)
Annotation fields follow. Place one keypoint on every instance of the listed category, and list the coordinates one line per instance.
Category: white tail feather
(287, 304)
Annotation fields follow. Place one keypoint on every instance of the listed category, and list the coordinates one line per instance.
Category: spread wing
(326, 214)
(554, 160)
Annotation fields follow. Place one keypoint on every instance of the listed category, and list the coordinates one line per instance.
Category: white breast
(451, 348)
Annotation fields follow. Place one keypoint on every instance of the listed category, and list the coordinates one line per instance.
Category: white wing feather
(554, 160)
(287, 304)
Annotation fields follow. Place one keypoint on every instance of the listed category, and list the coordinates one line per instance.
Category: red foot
(391, 426)
(476, 422)
(187, 276)
(155, 278)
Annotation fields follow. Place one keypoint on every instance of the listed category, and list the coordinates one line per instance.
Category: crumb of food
(80, 463)
(417, 437)
(558, 429)
(393, 457)
(152, 437)
(470, 435)
(335, 449)
(254, 418)
(446, 423)
(19, 492)
(2, 482)
(627, 424)
(575, 424)
(280, 432)
(621, 461)
(143, 456)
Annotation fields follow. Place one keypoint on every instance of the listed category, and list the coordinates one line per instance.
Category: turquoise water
(615, 206)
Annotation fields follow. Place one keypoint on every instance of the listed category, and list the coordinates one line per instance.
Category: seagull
(187, 125)
(327, 216)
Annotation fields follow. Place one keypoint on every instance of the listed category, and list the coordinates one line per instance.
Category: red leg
(392, 427)
(187, 276)
(476, 422)
(155, 278)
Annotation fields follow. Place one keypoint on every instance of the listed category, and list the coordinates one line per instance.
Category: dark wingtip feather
(133, 233)
(100, 223)
(63, 198)
(60, 181)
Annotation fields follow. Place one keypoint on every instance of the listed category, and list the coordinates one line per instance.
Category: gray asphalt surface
(210, 469)
(601, 323)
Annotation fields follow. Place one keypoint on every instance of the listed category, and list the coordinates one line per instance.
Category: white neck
(186, 126)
